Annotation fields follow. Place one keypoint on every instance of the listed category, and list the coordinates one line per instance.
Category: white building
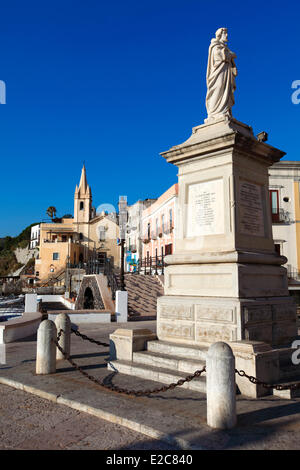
(133, 242)
(35, 236)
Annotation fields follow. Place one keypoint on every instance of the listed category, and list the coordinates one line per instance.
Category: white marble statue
(220, 77)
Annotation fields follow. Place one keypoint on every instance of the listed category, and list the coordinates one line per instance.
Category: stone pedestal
(225, 282)
(123, 343)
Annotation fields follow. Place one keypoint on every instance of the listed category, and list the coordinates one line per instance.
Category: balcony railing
(77, 242)
(293, 274)
(168, 230)
(282, 216)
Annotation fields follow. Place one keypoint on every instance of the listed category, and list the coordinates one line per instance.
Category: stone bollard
(220, 386)
(63, 322)
(46, 348)
(121, 306)
(31, 304)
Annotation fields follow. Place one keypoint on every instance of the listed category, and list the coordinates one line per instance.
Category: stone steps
(180, 350)
(164, 361)
(143, 291)
(157, 374)
(288, 394)
(288, 371)
(54, 306)
(167, 362)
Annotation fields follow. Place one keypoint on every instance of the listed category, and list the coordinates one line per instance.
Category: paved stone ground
(178, 416)
(31, 422)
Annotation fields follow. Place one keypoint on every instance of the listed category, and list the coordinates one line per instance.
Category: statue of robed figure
(220, 77)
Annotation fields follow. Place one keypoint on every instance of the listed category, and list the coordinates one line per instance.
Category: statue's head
(222, 34)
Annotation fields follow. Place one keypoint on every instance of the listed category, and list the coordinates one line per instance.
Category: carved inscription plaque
(180, 312)
(251, 209)
(215, 314)
(205, 211)
(177, 331)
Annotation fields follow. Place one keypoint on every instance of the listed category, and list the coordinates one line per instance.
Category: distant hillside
(8, 260)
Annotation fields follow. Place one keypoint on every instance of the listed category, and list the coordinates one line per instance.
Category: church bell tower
(82, 208)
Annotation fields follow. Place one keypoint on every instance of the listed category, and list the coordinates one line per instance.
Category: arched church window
(81, 205)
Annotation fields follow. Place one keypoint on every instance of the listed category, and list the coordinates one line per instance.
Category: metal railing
(100, 266)
(151, 265)
(293, 274)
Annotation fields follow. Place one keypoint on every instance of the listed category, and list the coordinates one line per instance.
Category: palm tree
(51, 212)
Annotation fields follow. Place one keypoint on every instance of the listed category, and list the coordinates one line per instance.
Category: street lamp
(123, 227)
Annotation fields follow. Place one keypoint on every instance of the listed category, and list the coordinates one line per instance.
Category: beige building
(77, 240)
(284, 179)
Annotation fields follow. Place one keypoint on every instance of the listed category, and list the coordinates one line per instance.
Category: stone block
(123, 343)
(256, 359)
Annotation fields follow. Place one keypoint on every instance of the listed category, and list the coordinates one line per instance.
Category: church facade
(75, 241)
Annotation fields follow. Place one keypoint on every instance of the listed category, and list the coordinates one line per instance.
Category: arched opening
(81, 207)
(88, 301)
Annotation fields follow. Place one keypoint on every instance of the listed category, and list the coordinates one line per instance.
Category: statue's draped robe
(220, 79)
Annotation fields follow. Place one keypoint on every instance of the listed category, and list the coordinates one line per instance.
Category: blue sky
(116, 83)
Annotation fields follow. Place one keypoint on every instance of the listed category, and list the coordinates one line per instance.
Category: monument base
(225, 281)
(205, 320)
(139, 354)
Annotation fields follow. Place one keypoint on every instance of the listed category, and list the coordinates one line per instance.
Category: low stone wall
(19, 328)
(84, 316)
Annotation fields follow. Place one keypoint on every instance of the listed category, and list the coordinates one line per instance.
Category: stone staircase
(51, 279)
(289, 373)
(54, 306)
(166, 362)
(143, 291)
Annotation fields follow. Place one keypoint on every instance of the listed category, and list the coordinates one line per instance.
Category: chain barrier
(91, 340)
(59, 334)
(135, 393)
(254, 380)
(139, 393)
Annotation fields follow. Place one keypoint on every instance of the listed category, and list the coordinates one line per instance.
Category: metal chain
(81, 335)
(139, 393)
(254, 380)
(135, 393)
(59, 334)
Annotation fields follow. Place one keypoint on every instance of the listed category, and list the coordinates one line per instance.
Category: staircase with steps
(166, 363)
(51, 279)
(51, 307)
(143, 291)
(289, 373)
